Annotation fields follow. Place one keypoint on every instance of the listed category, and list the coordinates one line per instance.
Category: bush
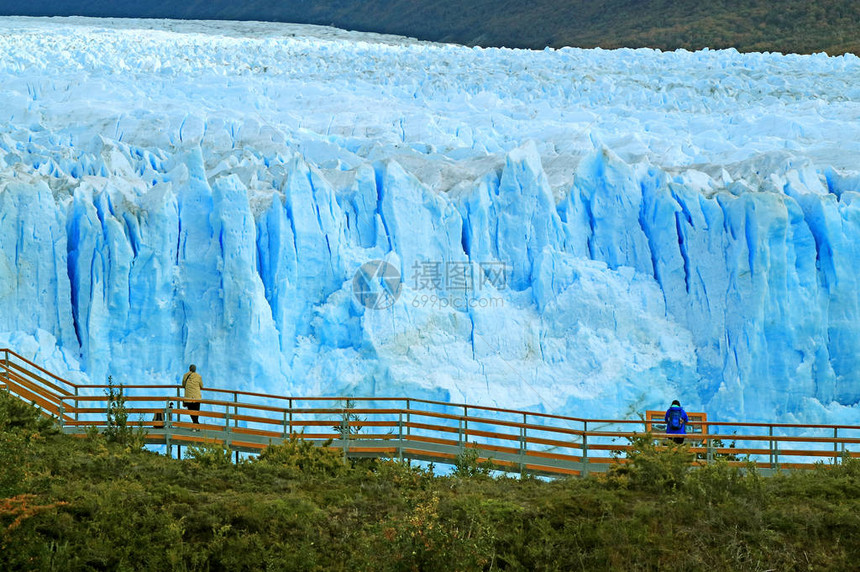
(466, 465)
(651, 466)
(848, 467)
(303, 457)
(16, 415)
(350, 423)
(425, 538)
(719, 482)
(210, 455)
(400, 474)
(23, 428)
(117, 429)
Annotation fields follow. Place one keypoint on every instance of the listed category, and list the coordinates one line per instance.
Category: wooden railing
(408, 428)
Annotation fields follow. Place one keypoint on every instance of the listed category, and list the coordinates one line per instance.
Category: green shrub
(350, 423)
(424, 539)
(402, 473)
(466, 465)
(23, 429)
(652, 466)
(16, 415)
(303, 457)
(210, 455)
(118, 429)
(848, 467)
(719, 481)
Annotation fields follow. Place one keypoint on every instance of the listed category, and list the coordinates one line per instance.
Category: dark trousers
(193, 407)
(678, 440)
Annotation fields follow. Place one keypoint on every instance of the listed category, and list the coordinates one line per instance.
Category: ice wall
(164, 210)
(738, 299)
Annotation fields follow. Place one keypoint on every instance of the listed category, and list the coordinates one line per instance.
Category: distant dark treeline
(798, 26)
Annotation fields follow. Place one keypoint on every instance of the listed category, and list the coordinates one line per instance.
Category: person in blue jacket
(676, 421)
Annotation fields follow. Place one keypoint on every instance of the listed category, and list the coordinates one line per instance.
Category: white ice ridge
(665, 225)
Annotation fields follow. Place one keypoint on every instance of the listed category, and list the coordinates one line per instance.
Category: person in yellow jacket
(193, 384)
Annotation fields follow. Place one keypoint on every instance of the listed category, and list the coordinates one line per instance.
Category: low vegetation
(103, 503)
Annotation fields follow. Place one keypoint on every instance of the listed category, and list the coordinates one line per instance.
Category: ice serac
(317, 222)
(603, 210)
(424, 229)
(246, 342)
(34, 283)
(153, 233)
(749, 273)
(276, 247)
(227, 322)
(834, 222)
(360, 205)
(199, 295)
(90, 271)
(122, 265)
(527, 221)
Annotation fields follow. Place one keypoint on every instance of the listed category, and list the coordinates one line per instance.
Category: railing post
(344, 432)
(60, 413)
(523, 445)
(522, 450)
(290, 427)
(227, 428)
(400, 437)
(286, 427)
(776, 454)
(235, 409)
(466, 422)
(835, 445)
(774, 449)
(8, 378)
(770, 446)
(168, 423)
(408, 417)
(76, 403)
(584, 471)
(460, 433)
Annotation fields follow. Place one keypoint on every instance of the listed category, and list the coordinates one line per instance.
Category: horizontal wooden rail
(16, 361)
(408, 428)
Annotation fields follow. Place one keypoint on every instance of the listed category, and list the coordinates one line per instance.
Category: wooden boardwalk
(417, 429)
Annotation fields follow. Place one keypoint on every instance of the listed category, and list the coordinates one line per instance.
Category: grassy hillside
(798, 26)
(103, 503)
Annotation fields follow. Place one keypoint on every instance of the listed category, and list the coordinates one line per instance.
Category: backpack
(674, 420)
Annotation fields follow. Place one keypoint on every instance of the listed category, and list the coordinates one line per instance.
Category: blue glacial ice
(583, 232)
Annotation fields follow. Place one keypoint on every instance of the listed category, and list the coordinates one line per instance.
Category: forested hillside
(798, 26)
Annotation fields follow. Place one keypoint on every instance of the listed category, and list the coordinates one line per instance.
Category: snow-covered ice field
(578, 231)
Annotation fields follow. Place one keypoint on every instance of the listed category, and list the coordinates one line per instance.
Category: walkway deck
(406, 428)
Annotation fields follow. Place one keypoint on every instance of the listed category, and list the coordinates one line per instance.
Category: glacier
(581, 232)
